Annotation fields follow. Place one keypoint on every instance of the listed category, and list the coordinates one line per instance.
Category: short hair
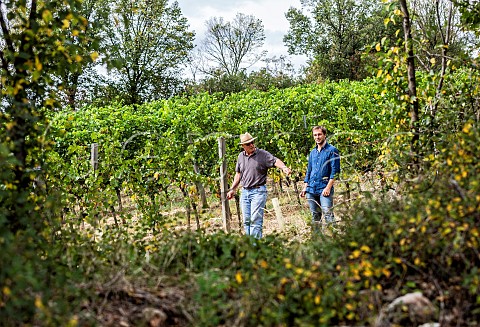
(323, 129)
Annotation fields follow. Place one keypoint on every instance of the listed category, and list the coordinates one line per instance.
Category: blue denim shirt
(323, 165)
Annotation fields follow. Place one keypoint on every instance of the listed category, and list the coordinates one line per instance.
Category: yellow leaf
(377, 47)
(365, 248)
(238, 277)
(66, 23)
(49, 102)
(78, 58)
(94, 55)
(6, 291)
(355, 254)
(386, 21)
(10, 125)
(47, 15)
(349, 306)
(386, 272)
(18, 86)
(379, 73)
(38, 303)
(73, 322)
(466, 128)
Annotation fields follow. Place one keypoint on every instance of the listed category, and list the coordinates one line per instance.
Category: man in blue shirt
(323, 168)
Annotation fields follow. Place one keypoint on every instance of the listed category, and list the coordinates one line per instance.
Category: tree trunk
(412, 84)
(199, 185)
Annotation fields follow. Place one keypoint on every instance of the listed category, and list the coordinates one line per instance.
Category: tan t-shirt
(254, 168)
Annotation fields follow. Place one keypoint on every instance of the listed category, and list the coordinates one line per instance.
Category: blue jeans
(253, 204)
(319, 205)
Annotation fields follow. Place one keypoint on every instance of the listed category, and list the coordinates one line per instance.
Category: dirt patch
(120, 303)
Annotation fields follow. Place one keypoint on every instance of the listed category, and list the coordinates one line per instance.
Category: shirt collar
(254, 153)
(323, 147)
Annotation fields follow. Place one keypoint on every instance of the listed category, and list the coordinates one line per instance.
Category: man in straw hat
(251, 171)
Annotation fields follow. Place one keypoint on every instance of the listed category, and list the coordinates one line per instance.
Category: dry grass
(294, 209)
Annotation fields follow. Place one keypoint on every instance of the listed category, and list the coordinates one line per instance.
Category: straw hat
(246, 138)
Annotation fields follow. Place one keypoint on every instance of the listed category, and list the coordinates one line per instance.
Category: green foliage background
(60, 262)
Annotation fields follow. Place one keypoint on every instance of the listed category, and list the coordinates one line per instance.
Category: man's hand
(326, 191)
(304, 191)
(287, 171)
(230, 194)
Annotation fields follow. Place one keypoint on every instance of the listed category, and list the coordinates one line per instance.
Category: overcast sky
(270, 12)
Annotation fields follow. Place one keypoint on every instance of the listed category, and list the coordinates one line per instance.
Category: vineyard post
(224, 184)
(94, 156)
(278, 213)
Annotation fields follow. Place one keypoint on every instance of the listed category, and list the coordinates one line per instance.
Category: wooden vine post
(94, 156)
(224, 184)
(278, 213)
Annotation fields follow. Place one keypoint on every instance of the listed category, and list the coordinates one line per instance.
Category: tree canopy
(147, 43)
(235, 45)
(333, 34)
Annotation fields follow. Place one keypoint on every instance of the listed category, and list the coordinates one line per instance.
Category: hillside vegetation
(106, 251)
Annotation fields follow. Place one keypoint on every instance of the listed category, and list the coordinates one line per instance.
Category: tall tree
(470, 11)
(234, 46)
(148, 41)
(74, 84)
(333, 34)
(436, 25)
(412, 83)
(39, 41)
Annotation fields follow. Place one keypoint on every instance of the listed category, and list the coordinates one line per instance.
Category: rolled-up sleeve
(335, 164)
